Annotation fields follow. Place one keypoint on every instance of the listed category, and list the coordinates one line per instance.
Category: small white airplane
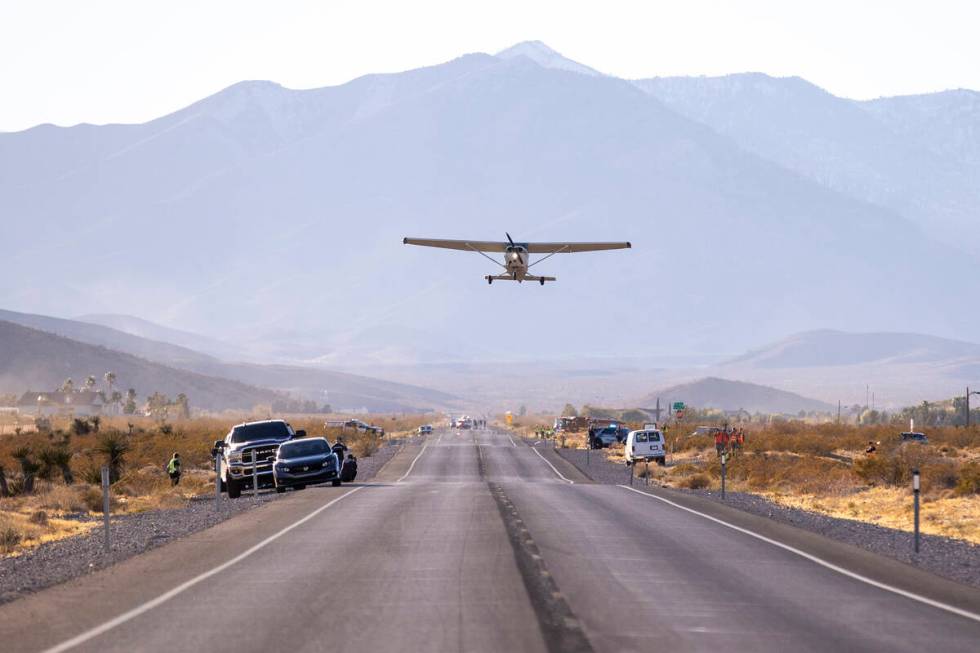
(516, 255)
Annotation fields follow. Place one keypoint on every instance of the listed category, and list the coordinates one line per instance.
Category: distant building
(78, 404)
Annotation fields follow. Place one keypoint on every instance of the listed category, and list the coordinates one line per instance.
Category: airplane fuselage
(516, 260)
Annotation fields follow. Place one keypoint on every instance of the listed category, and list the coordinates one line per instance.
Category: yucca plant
(114, 447)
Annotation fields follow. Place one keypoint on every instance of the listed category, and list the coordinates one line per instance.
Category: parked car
(645, 444)
(303, 462)
(912, 436)
(250, 449)
(606, 437)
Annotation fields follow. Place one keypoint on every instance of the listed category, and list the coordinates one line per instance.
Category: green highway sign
(679, 405)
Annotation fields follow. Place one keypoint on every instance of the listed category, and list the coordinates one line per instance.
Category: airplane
(516, 255)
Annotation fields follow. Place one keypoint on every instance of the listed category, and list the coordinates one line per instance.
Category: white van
(645, 444)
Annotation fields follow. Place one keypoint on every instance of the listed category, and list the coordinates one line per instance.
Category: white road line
(823, 563)
(512, 440)
(412, 466)
(166, 596)
(567, 480)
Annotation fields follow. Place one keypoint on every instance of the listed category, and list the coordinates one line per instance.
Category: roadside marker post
(105, 504)
(724, 460)
(915, 502)
(255, 478)
(631, 473)
(217, 481)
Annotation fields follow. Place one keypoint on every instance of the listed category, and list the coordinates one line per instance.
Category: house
(85, 403)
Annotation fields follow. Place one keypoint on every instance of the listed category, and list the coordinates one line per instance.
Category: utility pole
(658, 411)
(967, 406)
(838, 411)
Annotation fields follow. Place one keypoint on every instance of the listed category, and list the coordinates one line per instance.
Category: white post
(255, 478)
(105, 504)
(217, 480)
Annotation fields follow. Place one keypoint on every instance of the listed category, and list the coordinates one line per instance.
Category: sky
(99, 61)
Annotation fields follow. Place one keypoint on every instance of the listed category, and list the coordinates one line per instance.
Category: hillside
(826, 348)
(136, 326)
(288, 208)
(36, 360)
(712, 392)
(341, 390)
(881, 152)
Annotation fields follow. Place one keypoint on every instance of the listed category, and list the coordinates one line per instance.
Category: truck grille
(263, 455)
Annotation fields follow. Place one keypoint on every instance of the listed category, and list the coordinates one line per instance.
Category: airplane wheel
(490, 281)
(542, 281)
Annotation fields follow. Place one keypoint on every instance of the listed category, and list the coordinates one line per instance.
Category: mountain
(344, 391)
(712, 392)
(36, 360)
(832, 348)
(261, 214)
(164, 353)
(545, 57)
(141, 328)
(851, 147)
(947, 123)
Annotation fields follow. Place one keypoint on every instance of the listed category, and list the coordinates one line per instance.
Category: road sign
(679, 405)
(679, 414)
(510, 418)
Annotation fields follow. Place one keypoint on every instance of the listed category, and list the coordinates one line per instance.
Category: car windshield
(609, 430)
(303, 448)
(261, 431)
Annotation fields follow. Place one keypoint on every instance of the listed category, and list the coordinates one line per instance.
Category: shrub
(39, 517)
(9, 537)
(969, 480)
(696, 482)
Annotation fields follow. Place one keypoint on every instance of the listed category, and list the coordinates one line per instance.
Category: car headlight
(328, 463)
(235, 457)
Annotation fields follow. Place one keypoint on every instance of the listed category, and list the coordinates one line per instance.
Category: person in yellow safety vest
(173, 469)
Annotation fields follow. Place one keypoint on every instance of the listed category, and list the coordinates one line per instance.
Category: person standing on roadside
(340, 449)
(720, 442)
(173, 469)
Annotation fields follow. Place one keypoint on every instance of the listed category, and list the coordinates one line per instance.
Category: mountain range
(270, 219)
(41, 351)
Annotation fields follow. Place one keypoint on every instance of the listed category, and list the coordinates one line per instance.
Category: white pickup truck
(645, 444)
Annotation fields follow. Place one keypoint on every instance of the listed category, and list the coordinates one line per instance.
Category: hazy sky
(70, 61)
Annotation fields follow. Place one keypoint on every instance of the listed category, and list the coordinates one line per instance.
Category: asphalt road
(478, 542)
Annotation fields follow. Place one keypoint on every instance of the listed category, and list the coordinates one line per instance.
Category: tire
(300, 487)
(234, 488)
(335, 483)
(662, 461)
(280, 489)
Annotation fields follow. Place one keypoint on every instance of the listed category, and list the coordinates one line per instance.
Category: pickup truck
(261, 439)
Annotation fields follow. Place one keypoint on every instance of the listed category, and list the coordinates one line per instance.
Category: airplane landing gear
(542, 281)
(490, 281)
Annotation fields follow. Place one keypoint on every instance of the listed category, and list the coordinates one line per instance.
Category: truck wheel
(280, 489)
(300, 487)
(662, 461)
(234, 488)
(335, 483)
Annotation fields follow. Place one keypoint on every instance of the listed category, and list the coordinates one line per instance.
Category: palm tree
(89, 382)
(68, 386)
(110, 380)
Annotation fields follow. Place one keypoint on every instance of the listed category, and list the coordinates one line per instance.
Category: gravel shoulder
(947, 557)
(57, 562)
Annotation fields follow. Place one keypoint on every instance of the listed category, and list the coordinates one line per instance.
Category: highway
(475, 541)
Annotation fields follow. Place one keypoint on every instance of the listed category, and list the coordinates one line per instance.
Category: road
(474, 541)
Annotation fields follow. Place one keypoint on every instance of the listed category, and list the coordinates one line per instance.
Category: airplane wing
(570, 248)
(465, 245)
